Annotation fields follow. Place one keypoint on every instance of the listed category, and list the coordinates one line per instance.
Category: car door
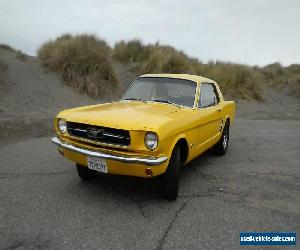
(208, 117)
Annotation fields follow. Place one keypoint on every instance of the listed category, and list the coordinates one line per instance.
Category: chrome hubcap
(225, 138)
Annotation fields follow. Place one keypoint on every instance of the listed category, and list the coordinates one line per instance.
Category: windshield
(166, 90)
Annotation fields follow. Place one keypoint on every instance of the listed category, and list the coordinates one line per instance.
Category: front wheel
(221, 147)
(85, 173)
(170, 179)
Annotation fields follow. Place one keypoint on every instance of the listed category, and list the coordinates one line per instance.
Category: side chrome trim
(149, 161)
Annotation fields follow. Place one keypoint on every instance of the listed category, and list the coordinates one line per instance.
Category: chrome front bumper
(149, 161)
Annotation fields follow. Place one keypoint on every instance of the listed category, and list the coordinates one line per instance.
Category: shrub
(176, 63)
(84, 62)
(295, 88)
(19, 54)
(294, 68)
(238, 81)
(6, 47)
(273, 71)
(3, 84)
(151, 58)
(166, 59)
(235, 80)
(131, 51)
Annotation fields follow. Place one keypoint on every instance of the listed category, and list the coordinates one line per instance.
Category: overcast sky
(252, 31)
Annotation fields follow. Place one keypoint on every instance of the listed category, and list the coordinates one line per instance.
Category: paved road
(255, 187)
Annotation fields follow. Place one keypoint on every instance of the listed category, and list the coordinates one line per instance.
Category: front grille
(105, 135)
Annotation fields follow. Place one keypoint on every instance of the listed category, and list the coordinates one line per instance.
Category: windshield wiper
(134, 99)
(165, 101)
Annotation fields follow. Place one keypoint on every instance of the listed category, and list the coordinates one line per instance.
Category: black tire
(170, 179)
(85, 173)
(221, 147)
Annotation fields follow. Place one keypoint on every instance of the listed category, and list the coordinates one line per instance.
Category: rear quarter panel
(229, 110)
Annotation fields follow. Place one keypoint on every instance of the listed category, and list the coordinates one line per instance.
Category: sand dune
(30, 96)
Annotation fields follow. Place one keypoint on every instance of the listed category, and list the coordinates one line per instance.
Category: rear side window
(208, 95)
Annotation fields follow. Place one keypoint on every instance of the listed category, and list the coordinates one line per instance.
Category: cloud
(252, 32)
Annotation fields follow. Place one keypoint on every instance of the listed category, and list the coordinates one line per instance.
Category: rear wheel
(170, 179)
(85, 173)
(221, 147)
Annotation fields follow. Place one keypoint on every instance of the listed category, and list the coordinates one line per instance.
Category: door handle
(219, 110)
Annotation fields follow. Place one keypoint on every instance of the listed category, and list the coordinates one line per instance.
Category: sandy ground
(44, 205)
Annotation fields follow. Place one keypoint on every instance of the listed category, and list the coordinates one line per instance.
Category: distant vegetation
(3, 84)
(19, 54)
(235, 80)
(278, 76)
(84, 61)
(87, 64)
(6, 47)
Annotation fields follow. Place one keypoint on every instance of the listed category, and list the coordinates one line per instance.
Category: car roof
(194, 78)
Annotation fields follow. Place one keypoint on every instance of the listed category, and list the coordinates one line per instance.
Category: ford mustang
(161, 123)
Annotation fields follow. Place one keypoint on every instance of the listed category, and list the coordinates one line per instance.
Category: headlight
(151, 140)
(62, 126)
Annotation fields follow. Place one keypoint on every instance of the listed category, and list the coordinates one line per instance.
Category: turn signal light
(148, 171)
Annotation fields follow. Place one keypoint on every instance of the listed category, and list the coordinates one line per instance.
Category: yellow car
(162, 122)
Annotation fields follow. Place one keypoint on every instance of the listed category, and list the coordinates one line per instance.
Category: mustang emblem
(94, 132)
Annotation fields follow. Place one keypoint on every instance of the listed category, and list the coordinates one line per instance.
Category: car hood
(129, 115)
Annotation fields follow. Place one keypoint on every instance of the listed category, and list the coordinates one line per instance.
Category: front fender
(169, 144)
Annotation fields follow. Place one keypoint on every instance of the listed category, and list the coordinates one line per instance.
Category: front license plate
(97, 164)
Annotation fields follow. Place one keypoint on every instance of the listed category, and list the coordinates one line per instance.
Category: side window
(208, 95)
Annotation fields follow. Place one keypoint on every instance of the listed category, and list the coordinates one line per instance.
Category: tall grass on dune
(294, 80)
(132, 51)
(3, 85)
(84, 62)
(19, 54)
(6, 47)
(166, 59)
(280, 77)
(237, 81)
(87, 64)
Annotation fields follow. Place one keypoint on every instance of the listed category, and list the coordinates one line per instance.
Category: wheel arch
(227, 120)
(182, 142)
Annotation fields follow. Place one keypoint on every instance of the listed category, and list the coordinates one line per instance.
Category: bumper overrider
(149, 161)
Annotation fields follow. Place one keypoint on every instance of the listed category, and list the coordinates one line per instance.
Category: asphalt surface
(254, 187)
